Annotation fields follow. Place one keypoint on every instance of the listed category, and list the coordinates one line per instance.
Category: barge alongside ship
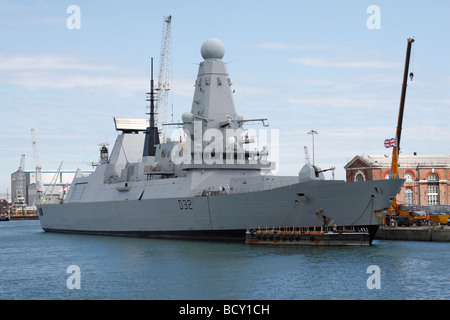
(330, 236)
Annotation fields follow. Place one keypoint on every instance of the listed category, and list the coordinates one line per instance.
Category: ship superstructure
(207, 184)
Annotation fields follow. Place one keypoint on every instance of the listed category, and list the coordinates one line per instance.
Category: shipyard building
(54, 185)
(427, 177)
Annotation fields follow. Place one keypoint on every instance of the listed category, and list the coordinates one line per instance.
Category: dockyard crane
(20, 182)
(38, 170)
(22, 163)
(48, 195)
(163, 86)
(395, 208)
(396, 149)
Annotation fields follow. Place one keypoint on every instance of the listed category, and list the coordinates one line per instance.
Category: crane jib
(396, 150)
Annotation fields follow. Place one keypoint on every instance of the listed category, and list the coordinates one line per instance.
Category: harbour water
(39, 265)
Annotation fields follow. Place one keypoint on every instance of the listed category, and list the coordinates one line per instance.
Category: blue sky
(302, 64)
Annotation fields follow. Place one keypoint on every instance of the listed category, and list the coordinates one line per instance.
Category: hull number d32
(185, 204)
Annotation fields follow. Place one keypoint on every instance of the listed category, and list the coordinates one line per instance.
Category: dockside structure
(427, 177)
(26, 189)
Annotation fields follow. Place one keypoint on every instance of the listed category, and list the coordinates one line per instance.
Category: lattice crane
(408, 215)
(48, 195)
(38, 170)
(20, 182)
(163, 86)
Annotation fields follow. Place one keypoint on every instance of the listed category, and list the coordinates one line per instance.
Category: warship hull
(214, 184)
(228, 216)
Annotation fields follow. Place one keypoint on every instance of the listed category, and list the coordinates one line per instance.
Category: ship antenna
(152, 132)
(152, 98)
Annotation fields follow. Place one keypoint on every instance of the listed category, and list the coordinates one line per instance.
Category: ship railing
(211, 192)
(301, 230)
(50, 200)
(266, 185)
(245, 188)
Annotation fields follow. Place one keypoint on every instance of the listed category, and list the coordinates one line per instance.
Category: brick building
(426, 176)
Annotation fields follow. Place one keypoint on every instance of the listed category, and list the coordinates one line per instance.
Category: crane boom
(395, 208)
(20, 182)
(22, 163)
(163, 87)
(396, 149)
(49, 192)
(38, 169)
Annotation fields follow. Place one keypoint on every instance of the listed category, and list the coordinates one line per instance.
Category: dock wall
(441, 234)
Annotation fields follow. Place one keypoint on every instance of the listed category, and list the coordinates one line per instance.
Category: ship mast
(151, 133)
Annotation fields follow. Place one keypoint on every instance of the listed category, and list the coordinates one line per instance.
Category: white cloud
(120, 84)
(328, 62)
(291, 46)
(48, 62)
(358, 63)
(67, 72)
(349, 100)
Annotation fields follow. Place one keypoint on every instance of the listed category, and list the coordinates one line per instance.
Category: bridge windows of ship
(78, 191)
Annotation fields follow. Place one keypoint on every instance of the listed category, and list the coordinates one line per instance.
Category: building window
(409, 178)
(409, 197)
(359, 176)
(433, 189)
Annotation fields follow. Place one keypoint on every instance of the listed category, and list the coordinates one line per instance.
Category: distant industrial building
(427, 177)
(5, 196)
(54, 184)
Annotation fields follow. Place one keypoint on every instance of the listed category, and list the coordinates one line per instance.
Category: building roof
(407, 161)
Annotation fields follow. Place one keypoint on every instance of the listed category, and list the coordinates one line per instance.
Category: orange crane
(396, 150)
(403, 215)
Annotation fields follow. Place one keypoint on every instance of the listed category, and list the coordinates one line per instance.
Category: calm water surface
(33, 265)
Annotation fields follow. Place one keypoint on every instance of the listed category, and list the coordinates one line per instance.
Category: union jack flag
(389, 143)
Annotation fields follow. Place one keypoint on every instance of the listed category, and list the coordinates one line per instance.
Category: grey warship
(208, 186)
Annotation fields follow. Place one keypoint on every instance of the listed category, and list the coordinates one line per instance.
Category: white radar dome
(187, 117)
(212, 49)
(231, 140)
